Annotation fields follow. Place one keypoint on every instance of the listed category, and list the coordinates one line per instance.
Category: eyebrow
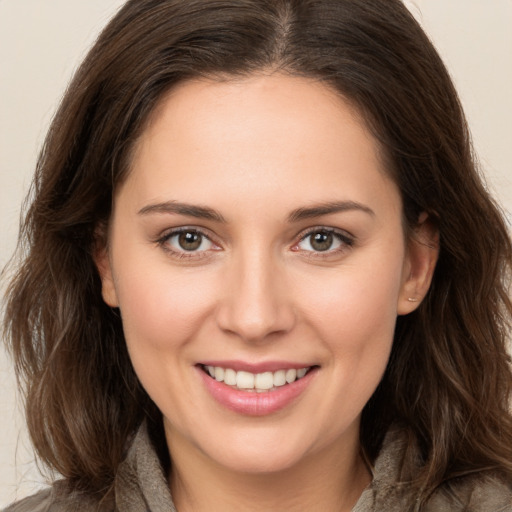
(190, 210)
(317, 210)
(203, 212)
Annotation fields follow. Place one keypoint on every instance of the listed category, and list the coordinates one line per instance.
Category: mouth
(256, 389)
(263, 382)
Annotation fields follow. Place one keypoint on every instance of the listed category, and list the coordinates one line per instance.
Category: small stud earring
(412, 299)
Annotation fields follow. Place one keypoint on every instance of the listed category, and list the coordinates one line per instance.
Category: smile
(256, 382)
(264, 390)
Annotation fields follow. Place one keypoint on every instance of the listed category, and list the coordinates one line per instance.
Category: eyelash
(183, 254)
(345, 239)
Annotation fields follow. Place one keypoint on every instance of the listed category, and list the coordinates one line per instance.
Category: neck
(332, 479)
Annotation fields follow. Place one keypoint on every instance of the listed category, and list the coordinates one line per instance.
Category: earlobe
(108, 290)
(419, 265)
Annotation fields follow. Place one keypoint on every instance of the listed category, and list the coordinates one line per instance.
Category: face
(259, 239)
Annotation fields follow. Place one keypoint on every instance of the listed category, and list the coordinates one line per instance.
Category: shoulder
(58, 499)
(478, 493)
(393, 474)
(40, 502)
(139, 484)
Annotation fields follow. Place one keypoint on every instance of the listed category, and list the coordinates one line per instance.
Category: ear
(421, 256)
(102, 261)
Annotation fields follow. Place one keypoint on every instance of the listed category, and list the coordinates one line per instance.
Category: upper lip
(261, 367)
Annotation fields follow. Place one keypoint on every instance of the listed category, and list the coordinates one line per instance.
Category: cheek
(162, 313)
(160, 308)
(358, 299)
(355, 309)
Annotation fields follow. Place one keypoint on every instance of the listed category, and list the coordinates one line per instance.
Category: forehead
(256, 134)
(261, 106)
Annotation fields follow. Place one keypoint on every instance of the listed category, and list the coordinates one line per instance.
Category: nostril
(255, 323)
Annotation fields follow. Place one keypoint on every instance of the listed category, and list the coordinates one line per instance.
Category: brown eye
(325, 240)
(321, 241)
(190, 241)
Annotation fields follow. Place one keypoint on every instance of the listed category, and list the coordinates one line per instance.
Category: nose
(256, 304)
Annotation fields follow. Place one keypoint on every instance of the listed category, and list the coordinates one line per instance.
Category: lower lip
(254, 403)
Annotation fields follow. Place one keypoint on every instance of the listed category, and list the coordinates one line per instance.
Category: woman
(262, 271)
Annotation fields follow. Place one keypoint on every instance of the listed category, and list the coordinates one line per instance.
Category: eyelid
(347, 241)
(166, 235)
(346, 238)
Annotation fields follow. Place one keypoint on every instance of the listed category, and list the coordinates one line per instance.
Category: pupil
(190, 241)
(321, 241)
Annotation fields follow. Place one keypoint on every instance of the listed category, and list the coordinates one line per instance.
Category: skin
(254, 151)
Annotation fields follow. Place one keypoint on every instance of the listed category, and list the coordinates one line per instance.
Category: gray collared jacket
(141, 486)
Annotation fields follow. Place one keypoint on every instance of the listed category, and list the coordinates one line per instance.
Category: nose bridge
(256, 303)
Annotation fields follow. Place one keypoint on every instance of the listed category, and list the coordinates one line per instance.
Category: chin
(264, 449)
(259, 460)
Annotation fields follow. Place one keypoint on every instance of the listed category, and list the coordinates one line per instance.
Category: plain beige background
(41, 43)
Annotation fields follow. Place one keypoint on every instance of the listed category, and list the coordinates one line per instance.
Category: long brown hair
(448, 380)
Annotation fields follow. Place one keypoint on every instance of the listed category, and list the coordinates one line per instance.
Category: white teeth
(280, 378)
(245, 380)
(219, 373)
(259, 382)
(264, 380)
(300, 373)
(230, 377)
(291, 375)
